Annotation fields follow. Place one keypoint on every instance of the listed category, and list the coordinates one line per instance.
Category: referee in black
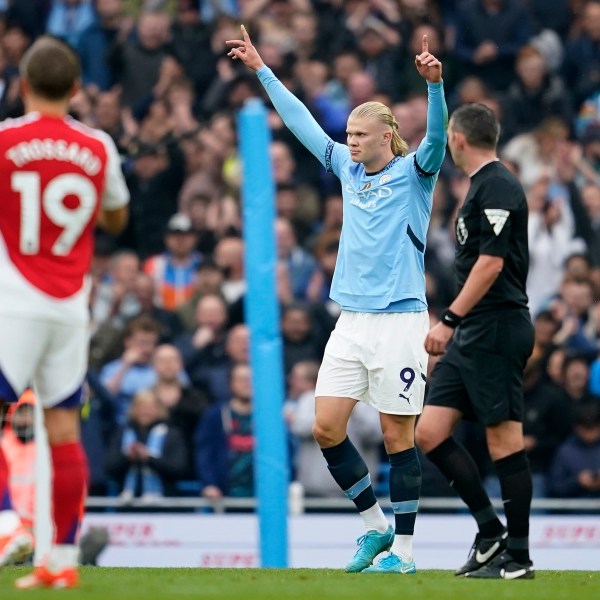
(480, 376)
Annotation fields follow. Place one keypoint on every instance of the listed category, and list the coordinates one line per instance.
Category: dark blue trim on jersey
(328, 153)
(72, 401)
(7, 393)
(388, 166)
(421, 171)
(419, 245)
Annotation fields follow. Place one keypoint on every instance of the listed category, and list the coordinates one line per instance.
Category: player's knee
(426, 437)
(62, 426)
(326, 436)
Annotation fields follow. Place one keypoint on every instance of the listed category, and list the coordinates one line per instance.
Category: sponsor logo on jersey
(497, 218)
(366, 198)
(461, 231)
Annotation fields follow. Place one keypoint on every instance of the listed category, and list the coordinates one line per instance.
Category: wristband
(450, 319)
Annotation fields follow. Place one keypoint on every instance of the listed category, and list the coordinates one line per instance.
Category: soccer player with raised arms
(376, 353)
(58, 179)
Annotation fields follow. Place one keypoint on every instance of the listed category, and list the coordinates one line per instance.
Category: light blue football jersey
(380, 264)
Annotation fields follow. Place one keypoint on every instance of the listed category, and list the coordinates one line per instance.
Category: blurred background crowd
(170, 396)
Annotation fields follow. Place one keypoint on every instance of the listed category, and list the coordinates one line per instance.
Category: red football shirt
(55, 176)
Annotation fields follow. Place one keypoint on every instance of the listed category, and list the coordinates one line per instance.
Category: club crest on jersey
(461, 231)
(384, 179)
(497, 218)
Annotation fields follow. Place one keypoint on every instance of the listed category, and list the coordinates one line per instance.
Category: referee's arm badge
(497, 218)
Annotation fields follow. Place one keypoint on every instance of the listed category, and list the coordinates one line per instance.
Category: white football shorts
(50, 356)
(379, 359)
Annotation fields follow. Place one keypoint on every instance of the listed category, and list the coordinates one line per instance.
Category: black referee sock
(460, 470)
(405, 487)
(515, 482)
(351, 474)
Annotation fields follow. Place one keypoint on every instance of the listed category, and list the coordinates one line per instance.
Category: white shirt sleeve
(116, 194)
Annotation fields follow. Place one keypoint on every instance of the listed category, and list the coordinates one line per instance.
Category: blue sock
(405, 487)
(351, 474)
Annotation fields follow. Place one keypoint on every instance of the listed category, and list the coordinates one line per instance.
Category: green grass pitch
(305, 584)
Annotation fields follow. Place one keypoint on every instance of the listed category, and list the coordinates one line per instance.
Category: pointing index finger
(425, 43)
(245, 34)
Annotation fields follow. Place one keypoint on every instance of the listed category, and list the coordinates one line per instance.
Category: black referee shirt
(493, 220)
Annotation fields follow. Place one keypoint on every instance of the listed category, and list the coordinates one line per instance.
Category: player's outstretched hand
(245, 51)
(429, 67)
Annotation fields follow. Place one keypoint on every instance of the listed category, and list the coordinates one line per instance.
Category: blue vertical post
(262, 317)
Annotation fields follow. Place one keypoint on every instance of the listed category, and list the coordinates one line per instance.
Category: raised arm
(293, 112)
(432, 148)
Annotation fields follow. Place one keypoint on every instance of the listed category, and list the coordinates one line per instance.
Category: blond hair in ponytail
(384, 115)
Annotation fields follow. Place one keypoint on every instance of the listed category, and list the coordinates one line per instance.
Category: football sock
(5, 503)
(515, 482)
(69, 484)
(350, 472)
(460, 470)
(405, 487)
(374, 519)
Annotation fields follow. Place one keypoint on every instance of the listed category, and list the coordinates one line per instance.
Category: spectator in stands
(229, 257)
(145, 292)
(209, 279)
(174, 270)
(546, 327)
(590, 197)
(147, 456)
(110, 26)
(550, 232)
(225, 442)
(345, 64)
(489, 33)
(364, 430)
(184, 403)
(68, 19)
(136, 61)
(574, 308)
(379, 46)
(191, 40)
(133, 372)
(581, 65)
(115, 298)
(107, 116)
(325, 250)
(575, 470)
(31, 15)
(10, 101)
(288, 171)
(154, 180)
(546, 423)
(535, 94)
(216, 378)
(535, 153)
(301, 340)
(575, 378)
(299, 265)
(203, 349)
(106, 341)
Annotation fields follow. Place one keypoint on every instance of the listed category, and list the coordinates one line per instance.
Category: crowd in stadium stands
(169, 409)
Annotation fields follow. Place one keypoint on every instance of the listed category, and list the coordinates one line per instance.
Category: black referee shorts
(481, 373)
